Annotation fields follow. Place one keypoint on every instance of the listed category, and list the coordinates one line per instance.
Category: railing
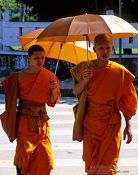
(10, 31)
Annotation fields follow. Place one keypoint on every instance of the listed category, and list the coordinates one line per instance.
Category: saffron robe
(33, 150)
(8, 117)
(109, 91)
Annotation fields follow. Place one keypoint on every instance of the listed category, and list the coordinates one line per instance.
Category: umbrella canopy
(30, 36)
(73, 52)
(86, 27)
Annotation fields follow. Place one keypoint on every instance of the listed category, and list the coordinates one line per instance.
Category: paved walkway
(67, 154)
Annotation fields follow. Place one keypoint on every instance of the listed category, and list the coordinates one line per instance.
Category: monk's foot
(18, 170)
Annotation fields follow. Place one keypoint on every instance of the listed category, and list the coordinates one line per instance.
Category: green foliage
(28, 17)
(8, 4)
(62, 8)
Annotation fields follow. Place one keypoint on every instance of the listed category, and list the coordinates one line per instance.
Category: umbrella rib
(26, 42)
(73, 18)
(31, 37)
(50, 47)
(105, 23)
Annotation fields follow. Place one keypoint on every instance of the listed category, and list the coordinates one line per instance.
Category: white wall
(125, 42)
(9, 32)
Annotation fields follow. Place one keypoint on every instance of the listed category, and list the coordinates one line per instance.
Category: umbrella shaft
(56, 66)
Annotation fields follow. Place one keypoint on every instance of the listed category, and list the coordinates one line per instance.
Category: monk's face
(37, 59)
(103, 50)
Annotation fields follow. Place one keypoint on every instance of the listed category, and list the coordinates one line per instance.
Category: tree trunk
(22, 16)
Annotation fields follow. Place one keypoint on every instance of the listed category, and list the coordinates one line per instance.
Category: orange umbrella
(30, 36)
(86, 27)
(73, 52)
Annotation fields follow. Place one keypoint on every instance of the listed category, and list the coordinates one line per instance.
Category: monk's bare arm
(128, 121)
(78, 88)
(86, 76)
(54, 91)
(128, 130)
(55, 95)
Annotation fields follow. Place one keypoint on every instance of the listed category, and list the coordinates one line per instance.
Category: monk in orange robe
(109, 90)
(36, 86)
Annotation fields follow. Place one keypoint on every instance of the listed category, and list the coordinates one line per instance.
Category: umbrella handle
(87, 46)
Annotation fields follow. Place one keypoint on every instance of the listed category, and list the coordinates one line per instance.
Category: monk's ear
(113, 49)
(28, 58)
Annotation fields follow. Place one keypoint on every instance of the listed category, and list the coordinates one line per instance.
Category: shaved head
(103, 38)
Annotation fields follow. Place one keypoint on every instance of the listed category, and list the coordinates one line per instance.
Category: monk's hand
(54, 88)
(128, 134)
(87, 74)
(54, 85)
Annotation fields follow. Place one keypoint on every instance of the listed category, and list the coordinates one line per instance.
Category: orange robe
(8, 117)
(33, 150)
(108, 92)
